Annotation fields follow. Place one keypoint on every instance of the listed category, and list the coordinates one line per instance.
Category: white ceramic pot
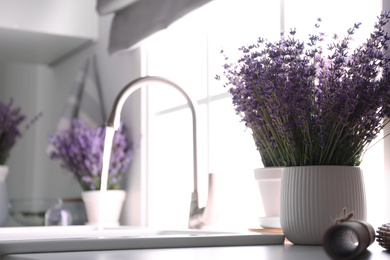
(112, 207)
(3, 196)
(268, 180)
(313, 197)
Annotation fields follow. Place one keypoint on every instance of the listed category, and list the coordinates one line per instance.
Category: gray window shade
(110, 6)
(141, 18)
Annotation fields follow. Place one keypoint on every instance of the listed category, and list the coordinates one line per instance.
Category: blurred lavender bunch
(80, 150)
(10, 119)
(313, 104)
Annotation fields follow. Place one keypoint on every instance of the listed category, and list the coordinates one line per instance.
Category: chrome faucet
(198, 217)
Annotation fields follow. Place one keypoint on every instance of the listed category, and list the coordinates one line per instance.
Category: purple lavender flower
(307, 106)
(10, 119)
(80, 150)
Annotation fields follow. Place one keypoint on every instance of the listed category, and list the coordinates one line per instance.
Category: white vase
(313, 197)
(268, 180)
(3, 196)
(112, 207)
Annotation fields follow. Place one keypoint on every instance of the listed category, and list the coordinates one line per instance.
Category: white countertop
(274, 252)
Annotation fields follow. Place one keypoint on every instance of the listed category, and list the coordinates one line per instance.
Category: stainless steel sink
(87, 238)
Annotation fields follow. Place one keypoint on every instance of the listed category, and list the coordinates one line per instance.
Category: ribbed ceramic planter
(268, 179)
(313, 197)
(3, 196)
(111, 208)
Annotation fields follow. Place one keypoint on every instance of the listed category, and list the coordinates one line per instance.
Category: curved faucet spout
(113, 120)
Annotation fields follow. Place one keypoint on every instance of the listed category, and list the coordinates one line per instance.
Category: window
(188, 53)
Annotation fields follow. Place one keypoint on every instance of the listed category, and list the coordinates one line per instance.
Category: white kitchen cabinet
(45, 31)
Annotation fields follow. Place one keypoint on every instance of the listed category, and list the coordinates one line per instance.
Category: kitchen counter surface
(274, 252)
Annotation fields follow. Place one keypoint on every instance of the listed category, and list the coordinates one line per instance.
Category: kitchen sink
(87, 238)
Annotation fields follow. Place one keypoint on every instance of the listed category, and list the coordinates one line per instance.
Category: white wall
(19, 81)
(39, 88)
(67, 17)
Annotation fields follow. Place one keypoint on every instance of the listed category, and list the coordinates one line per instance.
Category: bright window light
(188, 53)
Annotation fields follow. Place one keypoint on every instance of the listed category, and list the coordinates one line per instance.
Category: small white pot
(3, 196)
(268, 180)
(313, 197)
(111, 208)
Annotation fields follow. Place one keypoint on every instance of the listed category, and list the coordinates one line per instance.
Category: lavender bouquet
(311, 104)
(10, 119)
(80, 150)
